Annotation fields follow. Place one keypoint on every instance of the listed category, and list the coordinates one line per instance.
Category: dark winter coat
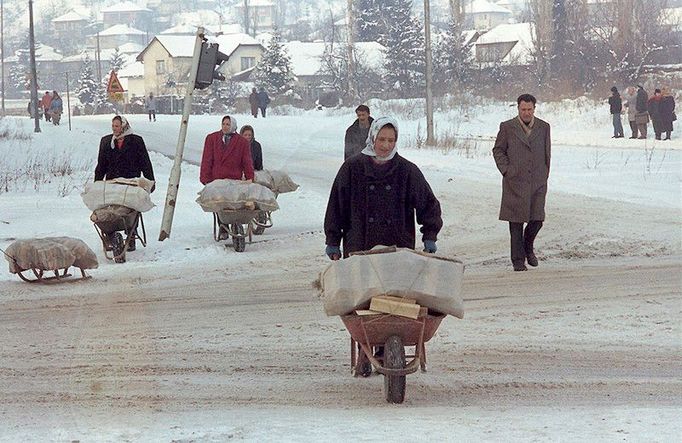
(256, 155)
(653, 107)
(616, 103)
(220, 160)
(524, 163)
(373, 204)
(56, 105)
(667, 109)
(253, 101)
(356, 138)
(263, 99)
(642, 98)
(129, 161)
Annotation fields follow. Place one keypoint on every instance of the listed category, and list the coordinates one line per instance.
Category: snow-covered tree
(20, 72)
(371, 23)
(88, 86)
(219, 98)
(273, 72)
(405, 55)
(117, 60)
(453, 60)
(335, 72)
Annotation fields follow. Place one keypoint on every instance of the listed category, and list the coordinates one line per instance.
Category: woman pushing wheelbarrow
(373, 201)
(123, 157)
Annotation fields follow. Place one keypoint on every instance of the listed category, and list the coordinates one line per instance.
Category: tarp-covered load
(49, 254)
(132, 193)
(277, 181)
(434, 282)
(234, 195)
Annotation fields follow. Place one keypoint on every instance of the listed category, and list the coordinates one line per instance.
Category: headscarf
(125, 126)
(233, 124)
(377, 124)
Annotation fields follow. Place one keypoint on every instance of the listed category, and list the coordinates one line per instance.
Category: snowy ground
(191, 341)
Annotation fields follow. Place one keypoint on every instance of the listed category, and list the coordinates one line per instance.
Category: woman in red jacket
(226, 154)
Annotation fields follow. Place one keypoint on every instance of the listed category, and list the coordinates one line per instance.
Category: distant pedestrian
(56, 108)
(667, 111)
(45, 102)
(356, 134)
(150, 106)
(263, 101)
(654, 109)
(253, 101)
(522, 153)
(631, 105)
(616, 105)
(642, 116)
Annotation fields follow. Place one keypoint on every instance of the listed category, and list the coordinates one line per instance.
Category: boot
(131, 244)
(529, 234)
(667, 135)
(518, 254)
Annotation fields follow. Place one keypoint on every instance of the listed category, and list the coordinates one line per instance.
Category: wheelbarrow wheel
(394, 358)
(238, 238)
(118, 247)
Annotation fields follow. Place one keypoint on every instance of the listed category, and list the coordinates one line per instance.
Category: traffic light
(208, 60)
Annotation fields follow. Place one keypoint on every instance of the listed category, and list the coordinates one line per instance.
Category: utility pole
(352, 90)
(2, 52)
(174, 179)
(34, 76)
(246, 16)
(430, 138)
(68, 101)
(99, 63)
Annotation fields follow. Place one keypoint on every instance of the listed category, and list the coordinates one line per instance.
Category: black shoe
(520, 266)
(641, 138)
(633, 137)
(531, 259)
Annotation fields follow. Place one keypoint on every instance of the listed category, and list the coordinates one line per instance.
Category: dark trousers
(262, 111)
(152, 114)
(633, 128)
(522, 239)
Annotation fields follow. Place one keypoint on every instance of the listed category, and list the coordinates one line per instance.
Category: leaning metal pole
(34, 77)
(174, 179)
(2, 52)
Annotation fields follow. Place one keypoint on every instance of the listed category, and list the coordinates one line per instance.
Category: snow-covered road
(190, 341)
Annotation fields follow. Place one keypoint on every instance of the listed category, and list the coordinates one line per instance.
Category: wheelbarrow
(110, 221)
(237, 224)
(394, 333)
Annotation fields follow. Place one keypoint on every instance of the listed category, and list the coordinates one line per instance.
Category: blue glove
(430, 246)
(333, 252)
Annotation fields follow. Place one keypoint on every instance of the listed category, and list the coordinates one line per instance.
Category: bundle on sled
(236, 205)
(390, 298)
(117, 207)
(53, 254)
(277, 181)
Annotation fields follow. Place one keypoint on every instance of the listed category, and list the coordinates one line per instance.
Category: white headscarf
(125, 126)
(377, 124)
(233, 124)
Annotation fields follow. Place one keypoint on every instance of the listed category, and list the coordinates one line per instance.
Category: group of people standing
(659, 109)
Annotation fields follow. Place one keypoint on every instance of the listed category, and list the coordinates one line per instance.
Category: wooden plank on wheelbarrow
(392, 305)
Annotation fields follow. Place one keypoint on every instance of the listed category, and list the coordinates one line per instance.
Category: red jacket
(225, 161)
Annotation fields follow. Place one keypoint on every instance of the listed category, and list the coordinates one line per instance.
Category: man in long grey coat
(522, 153)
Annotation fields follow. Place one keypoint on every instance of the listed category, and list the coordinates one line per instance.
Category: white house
(118, 35)
(127, 12)
(484, 15)
(167, 59)
(509, 44)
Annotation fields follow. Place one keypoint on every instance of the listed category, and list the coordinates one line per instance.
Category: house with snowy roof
(70, 24)
(262, 14)
(507, 44)
(129, 13)
(484, 15)
(167, 59)
(116, 36)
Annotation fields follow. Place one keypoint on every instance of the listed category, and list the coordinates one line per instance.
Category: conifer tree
(117, 60)
(273, 72)
(405, 55)
(88, 85)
